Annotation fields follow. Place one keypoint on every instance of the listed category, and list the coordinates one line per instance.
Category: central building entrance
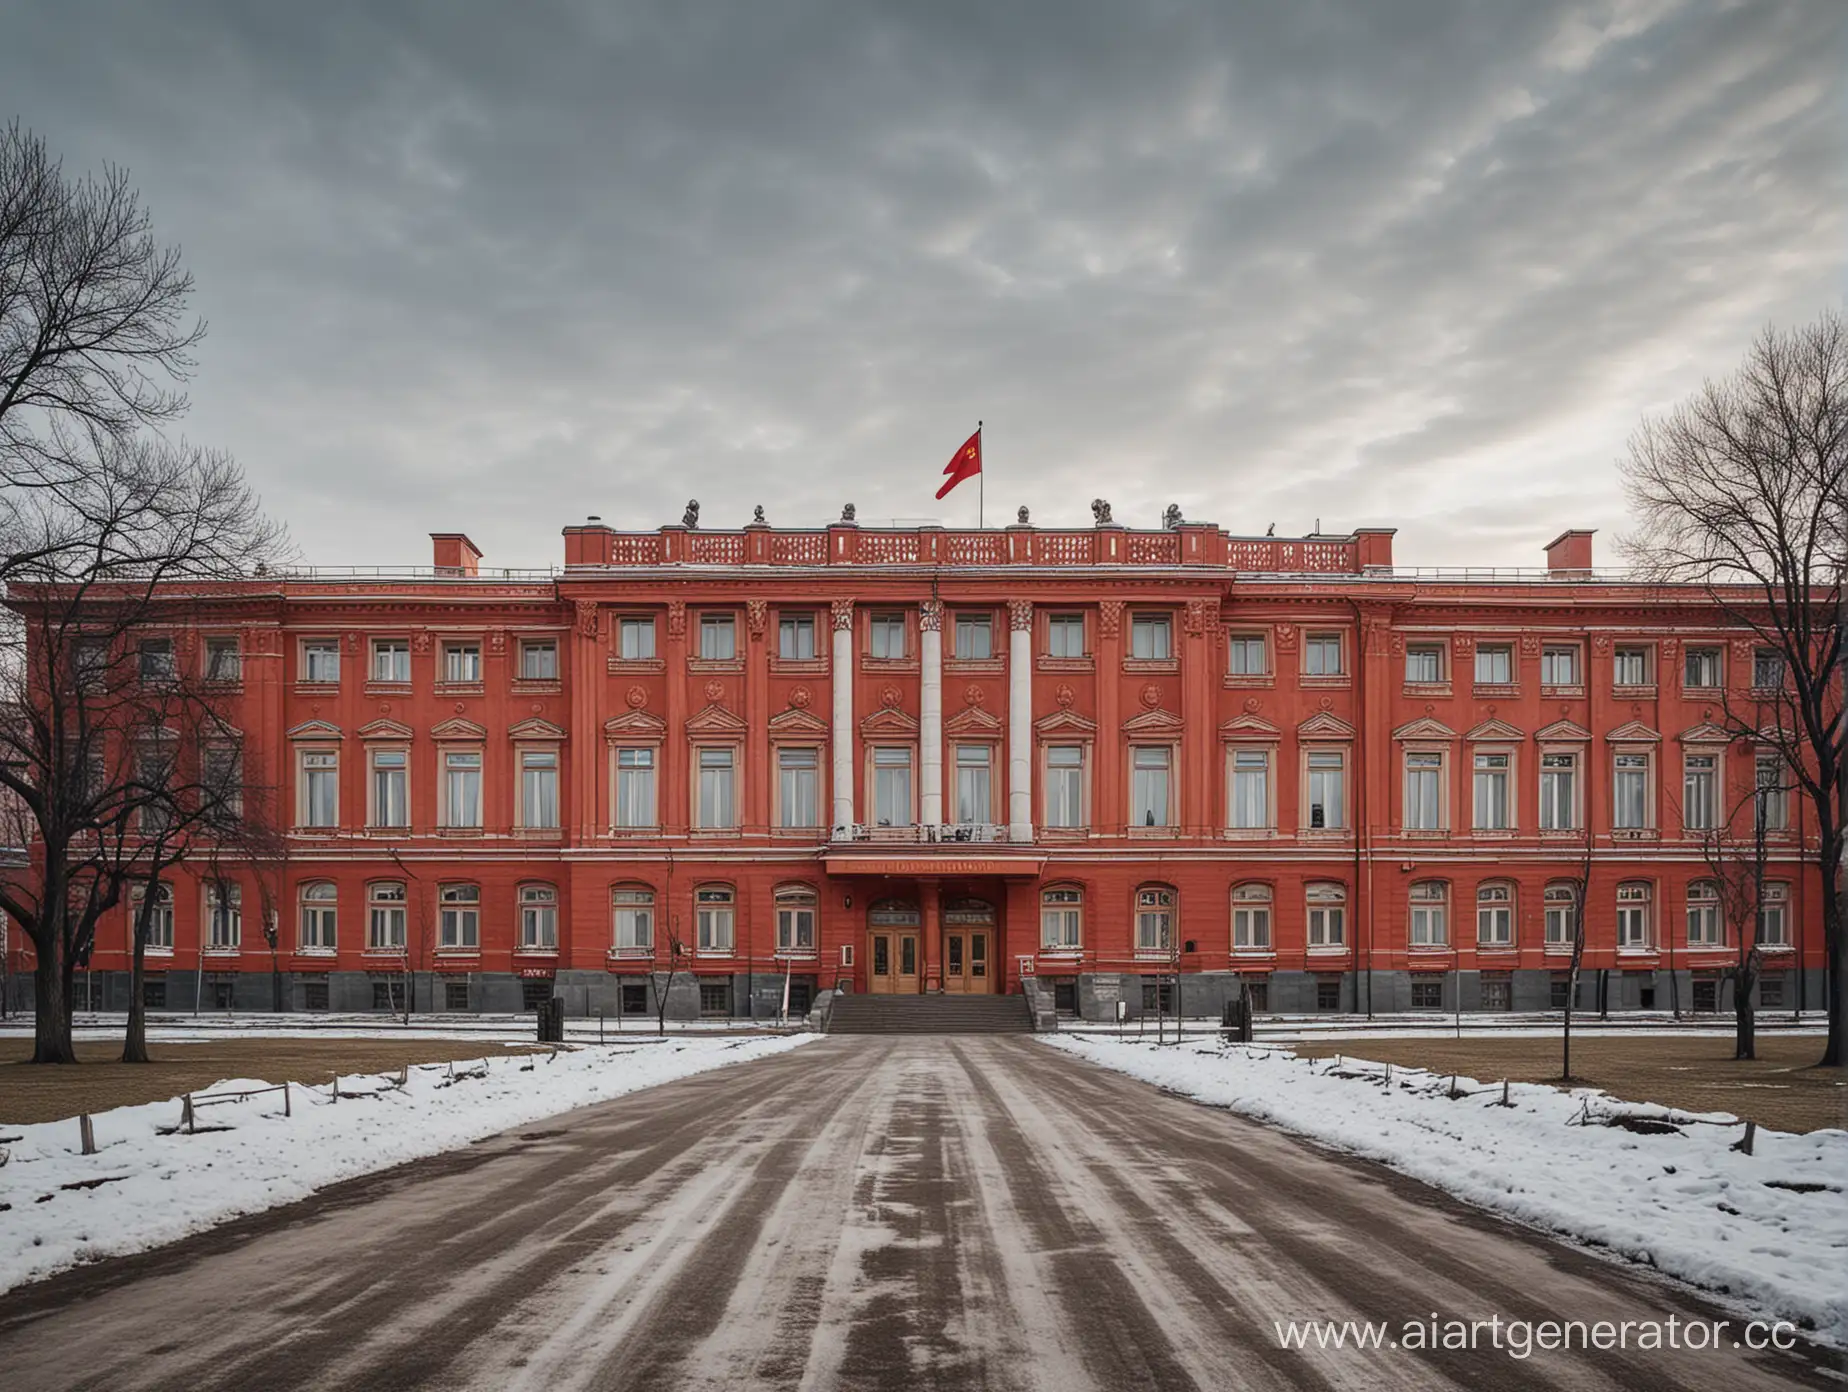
(894, 948)
(968, 940)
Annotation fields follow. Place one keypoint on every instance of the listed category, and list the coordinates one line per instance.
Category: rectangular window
(160, 917)
(634, 920)
(1561, 902)
(1497, 993)
(1773, 924)
(1154, 920)
(539, 660)
(718, 807)
(1633, 915)
(1559, 992)
(320, 788)
(1699, 792)
(1430, 918)
(455, 995)
(1247, 655)
(1250, 810)
(535, 992)
(1494, 664)
(460, 916)
(1491, 789)
(715, 998)
(391, 803)
(795, 923)
(539, 918)
(385, 917)
(1060, 917)
(1428, 994)
(539, 789)
(462, 662)
(795, 637)
(225, 907)
(1704, 917)
(972, 784)
(634, 998)
(799, 787)
(1495, 916)
(1150, 638)
(321, 661)
(156, 660)
(635, 787)
(1558, 792)
(1327, 789)
(1327, 915)
(974, 636)
(1065, 785)
(1251, 919)
(1559, 667)
(638, 638)
(391, 660)
(1065, 635)
(1767, 669)
(462, 788)
(1424, 791)
(888, 637)
(1322, 655)
(1772, 794)
(1328, 994)
(1424, 662)
(90, 664)
(223, 663)
(318, 917)
(221, 778)
(1702, 669)
(1630, 792)
(1631, 667)
(1149, 793)
(714, 920)
(1771, 992)
(718, 639)
(892, 787)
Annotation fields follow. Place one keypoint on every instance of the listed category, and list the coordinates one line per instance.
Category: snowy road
(860, 1213)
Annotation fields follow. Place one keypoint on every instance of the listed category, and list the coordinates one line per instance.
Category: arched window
(1705, 928)
(1774, 916)
(460, 925)
(1154, 920)
(1561, 900)
(1061, 919)
(160, 921)
(715, 907)
(224, 906)
(795, 921)
(1251, 918)
(1634, 929)
(1430, 914)
(318, 904)
(1327, 901)
(634, 907)
(539, 918)
(1495, 914)
(385, 916)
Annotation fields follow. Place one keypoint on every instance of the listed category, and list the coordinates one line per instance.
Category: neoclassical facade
(730, 764)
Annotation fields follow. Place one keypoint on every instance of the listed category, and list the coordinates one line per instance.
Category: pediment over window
(1424, 728)
(715, 720)
(888, 722)
(536, 729)
(385, 730)
(972, 720)
(1632, 732)
(1065, 721)
(1253, 727)
(636, 723)
(458, 729)
(220, 730)
(796, 721)
(316, 729)
(1154, 722)
(1324, 725)
(1562, 732)
(1705, 733)
(1492, 730)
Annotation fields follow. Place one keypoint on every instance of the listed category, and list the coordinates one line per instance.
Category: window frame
(1316, 642)
(816, 769)
(381, 647)
(1505, 771)
(792, 623)
(465, 896)
(455, 655)
(1169, 768)
(1635, 901)
(309, 779)
(402, 752)
(715, 622)
(618, 803)
(1065, 901)
(323, 911)
(522, 811)
(711, 912)
(639, 903)
(1438, 774)
(1267, 753)
(643, 629)
(1325, 903)
(1703, 905)
(536, 900)
(733, 784)
(530, 646)
(1242, 640)
(1152, 622)
(1158, 903)
(446, 805)
(1059, 625)
(1310, 754)
(789, 903)
(1083, 770)
(1429, 900)
(1495, 916)
(379, 901)
(973, 622)
(1254, 919)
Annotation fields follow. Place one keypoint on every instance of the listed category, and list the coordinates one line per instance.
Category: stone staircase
(858, 1014)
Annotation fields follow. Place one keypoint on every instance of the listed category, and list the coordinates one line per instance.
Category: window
(1561, 903)
(1767, 669)
(1495, 916)
(1494, 664)
(1631, 666)
(888, 637)
(1327, 914)
(535, 992)
(1065, 785)
(1771, 992)
(462, 788)
(718, 639)
(1497, 993)
(154, 993)
(539, 659)
(455, 995)
(1328, 993)
(1149, 802)
(320, 788)
(795, 637)
(225, 914)
(391, 803)
(1251, 918)
(155, 660)
(795, 920)
(1559, 666)
(1154, 920)
(224, 995)
(1150, 638)
(539, 789)
(221, 778)
(1424, 662)
(391, 660)
(1633, 915)
(1699, 798)
(160, 918)
(1558, 793)
(714, 905)
(1061, 919)
(223, 662)
(1322, 655)
(321, 661)
(1631, 791)
(1704, 927)
(1773, 921)
(798, 787)
(972, 784)
(715, 997)
(1702, 668)
(1158, 996)
(314, 995)
(1559, 992)
(90, 664)
(385, 916)
(1491, 792)
(892, 786)
(1247, 656)
(1424, 791)
(1065, 635)
(462, 662)
(635, 787)
(634, 909)
(1327, 770)
(154, 770)
(1250, 809)
(974, 636)
(1430, 925)
(1428, 993)
(638, 639)
(318, 903)
(634, 999)
(1773, 801)
(718, 805)
(538, 918)
(459, 917)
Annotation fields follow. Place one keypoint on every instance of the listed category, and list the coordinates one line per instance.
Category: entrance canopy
(913, 867)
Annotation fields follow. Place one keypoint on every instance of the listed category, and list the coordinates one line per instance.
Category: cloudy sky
(1390, 262)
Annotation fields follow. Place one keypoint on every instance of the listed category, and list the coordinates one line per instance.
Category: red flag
(966, 463)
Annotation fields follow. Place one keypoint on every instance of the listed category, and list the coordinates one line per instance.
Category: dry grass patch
(1781, 1089)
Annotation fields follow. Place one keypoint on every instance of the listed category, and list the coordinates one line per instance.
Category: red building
(920, 760)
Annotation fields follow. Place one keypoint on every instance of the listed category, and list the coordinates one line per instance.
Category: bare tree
(1741, 489)
(1581, 895)
(1736, 870)
(676, 956)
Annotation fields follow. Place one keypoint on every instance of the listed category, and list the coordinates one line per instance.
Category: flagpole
(981, 482)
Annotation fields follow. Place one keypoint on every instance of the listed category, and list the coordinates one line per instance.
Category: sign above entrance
(932, 866)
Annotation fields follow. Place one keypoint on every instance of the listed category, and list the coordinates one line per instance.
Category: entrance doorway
(968, 946)
(894, 947)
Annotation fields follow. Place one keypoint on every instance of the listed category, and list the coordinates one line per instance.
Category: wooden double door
(967, 961)
(896, 960)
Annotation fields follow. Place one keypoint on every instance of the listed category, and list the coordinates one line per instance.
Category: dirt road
(860, 1213)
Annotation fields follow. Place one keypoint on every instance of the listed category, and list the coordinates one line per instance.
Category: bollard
(599, 1024)
(336, 1096)
(1389, 1075)
(1505, 1102)
(285, 1099)
(186, 1114)
(87, 1132)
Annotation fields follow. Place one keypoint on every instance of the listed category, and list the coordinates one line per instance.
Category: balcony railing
(952, 833)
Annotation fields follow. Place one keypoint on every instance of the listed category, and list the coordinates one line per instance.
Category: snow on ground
(1684, 1203)
(149, 1184)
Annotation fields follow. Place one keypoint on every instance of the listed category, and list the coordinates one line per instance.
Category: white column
(841, 733)
(930, 713)
(1020, 720)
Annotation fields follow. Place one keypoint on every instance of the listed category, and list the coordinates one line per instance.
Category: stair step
(864, 1014)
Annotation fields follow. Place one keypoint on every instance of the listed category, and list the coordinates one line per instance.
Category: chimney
(455, 554)
(1568, 556)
